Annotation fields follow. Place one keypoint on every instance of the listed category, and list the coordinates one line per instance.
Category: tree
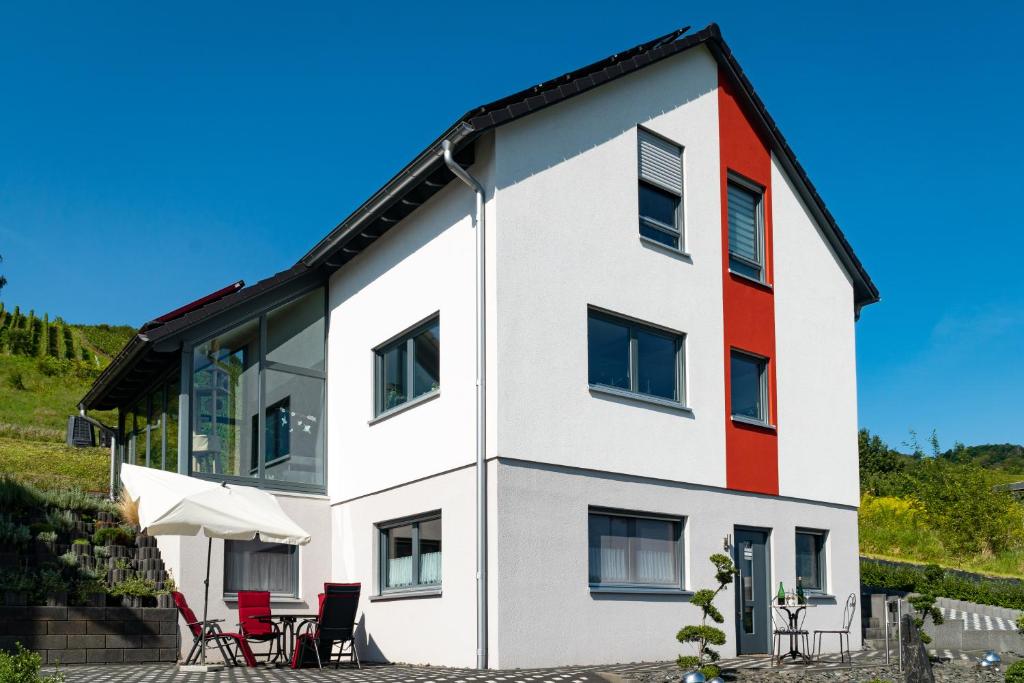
(924, 606)
(704, 635)
(3, 280)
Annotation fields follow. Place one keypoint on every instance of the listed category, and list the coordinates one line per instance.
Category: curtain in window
(654, 566)
(743, 223)
(400, 572)
(254, 565)
(430, 568)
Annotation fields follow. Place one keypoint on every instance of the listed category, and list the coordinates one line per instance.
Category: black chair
(335, 625)
(848, 613)
(785, 627)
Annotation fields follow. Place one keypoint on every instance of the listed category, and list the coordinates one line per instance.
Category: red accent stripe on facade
(751, 452)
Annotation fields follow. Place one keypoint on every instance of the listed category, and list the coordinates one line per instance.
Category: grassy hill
(942, 508)
(46, 366)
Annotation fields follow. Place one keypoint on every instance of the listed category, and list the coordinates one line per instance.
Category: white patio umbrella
(175, 505)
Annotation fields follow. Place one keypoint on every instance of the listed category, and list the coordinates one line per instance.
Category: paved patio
(123, 673)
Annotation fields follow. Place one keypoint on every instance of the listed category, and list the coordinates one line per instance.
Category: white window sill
(274, 599)
(752, 422)
(391, 412)
(412, 593)
(815, 595)
(671, 251)
(640, 398)
(639, 590)
(751, 280)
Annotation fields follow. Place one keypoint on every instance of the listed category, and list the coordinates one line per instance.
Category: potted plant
(164, 598)
(53, 587)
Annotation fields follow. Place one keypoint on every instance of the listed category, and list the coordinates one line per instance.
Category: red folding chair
(206, 632)
(255, 625)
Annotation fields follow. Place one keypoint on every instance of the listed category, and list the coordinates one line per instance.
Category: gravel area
(946, 672)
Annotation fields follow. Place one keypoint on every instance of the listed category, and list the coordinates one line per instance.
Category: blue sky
(153, 152)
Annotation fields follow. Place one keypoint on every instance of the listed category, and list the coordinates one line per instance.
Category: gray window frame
(822, 551)
(676, 231)
(765, 418)
(259, 312)
(758, 190)
(382, 529)
(632, 324)
(407, 337)
(626, 587)
(233, 595)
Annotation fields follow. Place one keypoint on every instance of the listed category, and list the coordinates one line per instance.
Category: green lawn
(50, 465)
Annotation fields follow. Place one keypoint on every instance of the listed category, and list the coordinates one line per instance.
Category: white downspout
(481, 404)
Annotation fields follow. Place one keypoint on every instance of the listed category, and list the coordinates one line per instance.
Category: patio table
(288, 623)
(793, 616)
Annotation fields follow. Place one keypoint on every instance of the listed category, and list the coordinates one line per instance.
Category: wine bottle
(782, 594)
(800, 599)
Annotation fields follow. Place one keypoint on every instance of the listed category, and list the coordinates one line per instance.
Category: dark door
(753, 595)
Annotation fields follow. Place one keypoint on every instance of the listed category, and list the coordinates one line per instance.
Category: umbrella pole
(206, 595)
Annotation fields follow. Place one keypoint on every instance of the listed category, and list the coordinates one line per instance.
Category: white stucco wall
(816, 356)
(185, 557)
(424, 265)
(568, 237)
(439, 629)
(548, 614)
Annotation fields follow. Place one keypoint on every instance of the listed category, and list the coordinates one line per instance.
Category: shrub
(12, 534)
(16, 581)
(936, 581)
(704, 636)
(47, 537)
(23, 667)
(113, 535)
(51, 581)
(136, 587)
(77, 500)
(1015, 672)
(61, 520)
(68, 559)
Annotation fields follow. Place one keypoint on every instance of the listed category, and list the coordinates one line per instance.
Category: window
(409, 366)
(660, 190)
(259, 388)
(628, 550)
(258, 566)
(749, 380)
(810, 559)
(634, 357)
(410, 554)
(746, 230)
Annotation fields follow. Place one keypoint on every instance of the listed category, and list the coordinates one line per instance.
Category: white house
(667, 347)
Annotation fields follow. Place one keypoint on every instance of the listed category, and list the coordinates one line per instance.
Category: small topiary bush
(1015, 672)
(703, 636)
(23, 667)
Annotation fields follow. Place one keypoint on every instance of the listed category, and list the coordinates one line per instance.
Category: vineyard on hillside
(46, 367)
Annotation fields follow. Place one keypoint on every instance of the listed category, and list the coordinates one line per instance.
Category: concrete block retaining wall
(79, 635)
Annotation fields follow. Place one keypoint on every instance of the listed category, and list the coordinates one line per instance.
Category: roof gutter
(117, 367)
(481, 403)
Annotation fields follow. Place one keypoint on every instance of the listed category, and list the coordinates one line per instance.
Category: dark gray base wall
(78, 635)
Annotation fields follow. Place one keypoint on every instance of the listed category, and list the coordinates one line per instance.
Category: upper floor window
(746, 230)
(810, 559)
(408, 366)
(633, 357)
(632, 550)
(748, 377)
(410, 553)
(660, 190)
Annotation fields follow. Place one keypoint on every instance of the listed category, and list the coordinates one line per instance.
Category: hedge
(909, 578)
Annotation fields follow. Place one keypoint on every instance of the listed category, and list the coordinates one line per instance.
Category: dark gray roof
(426, 174)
